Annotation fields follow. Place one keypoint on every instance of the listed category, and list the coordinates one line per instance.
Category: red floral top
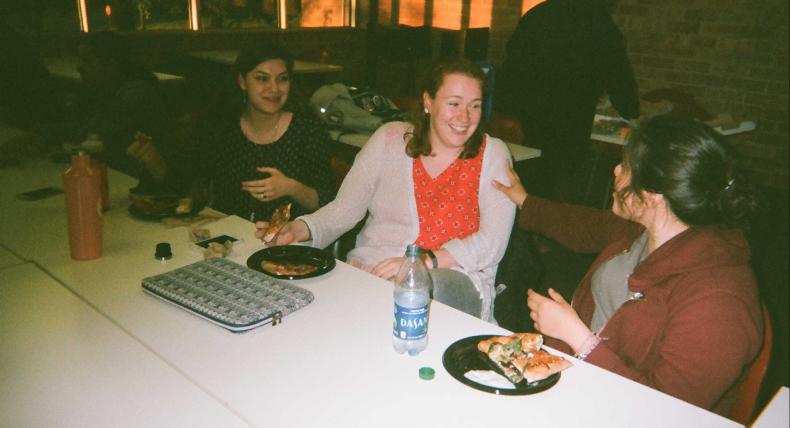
(447, 206)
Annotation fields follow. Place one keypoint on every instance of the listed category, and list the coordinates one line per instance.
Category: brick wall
(732, 57)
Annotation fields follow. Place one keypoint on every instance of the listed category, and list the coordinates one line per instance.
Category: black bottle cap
(163, 251)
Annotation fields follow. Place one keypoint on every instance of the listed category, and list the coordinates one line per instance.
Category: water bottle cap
(427, 373)
(413, 250)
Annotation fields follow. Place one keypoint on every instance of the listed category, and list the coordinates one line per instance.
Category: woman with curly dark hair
(671, 300)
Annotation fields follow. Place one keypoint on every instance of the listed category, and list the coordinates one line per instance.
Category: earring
(426, 111)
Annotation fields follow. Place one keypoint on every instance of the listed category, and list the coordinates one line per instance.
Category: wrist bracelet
(433, 258)
(587, 347)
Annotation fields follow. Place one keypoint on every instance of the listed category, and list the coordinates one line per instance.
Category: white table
(777, 413)
(64, 364)
(519, 152)
(228, 57)
(66, 67)
(331, 363)
(7, 258)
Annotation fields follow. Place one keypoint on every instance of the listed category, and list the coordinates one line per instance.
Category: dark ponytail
(691, 165)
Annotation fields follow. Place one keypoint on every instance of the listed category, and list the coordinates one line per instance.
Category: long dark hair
(419, 143)
(691, 165)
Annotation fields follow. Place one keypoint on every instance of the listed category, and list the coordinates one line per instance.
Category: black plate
(293, 254)
(462, 356)
(171, 212)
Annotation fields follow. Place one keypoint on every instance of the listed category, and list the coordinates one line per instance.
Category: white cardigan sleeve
(485, 248)
(356, 193)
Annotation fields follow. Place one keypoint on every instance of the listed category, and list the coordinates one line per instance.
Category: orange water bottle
(95, 147)
(100, 168)
(83, 206)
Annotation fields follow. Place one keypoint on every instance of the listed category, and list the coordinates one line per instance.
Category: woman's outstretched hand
(293, 231)
(388, 268)
(555, 317)
(516, 191)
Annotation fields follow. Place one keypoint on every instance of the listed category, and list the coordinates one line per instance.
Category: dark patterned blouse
(226, 157)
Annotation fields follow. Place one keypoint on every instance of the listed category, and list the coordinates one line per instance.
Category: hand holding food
(280, 218)
(144, 150)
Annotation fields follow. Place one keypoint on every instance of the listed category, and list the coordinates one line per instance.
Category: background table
(7, 258)
(66, 67)
(228, 57)
(519, 152)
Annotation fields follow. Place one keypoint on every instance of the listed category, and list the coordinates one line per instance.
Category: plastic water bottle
(412, 295)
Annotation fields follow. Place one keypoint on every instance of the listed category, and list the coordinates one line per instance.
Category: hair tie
(729, 184)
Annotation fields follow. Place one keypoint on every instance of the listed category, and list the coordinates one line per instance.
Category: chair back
(749, 389)
(339, 170)
(505, 127)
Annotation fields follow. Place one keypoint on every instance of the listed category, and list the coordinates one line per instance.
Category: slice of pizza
(279, 219)
(288, 268)
(540, 365)
(519, 356)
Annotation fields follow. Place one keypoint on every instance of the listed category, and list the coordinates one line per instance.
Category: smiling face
(267, 86)
(455, 112)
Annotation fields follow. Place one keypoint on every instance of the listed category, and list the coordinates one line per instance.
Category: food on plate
(184, 206)
(519, 357)
(154, 204)
(279, 219)
(288, 268)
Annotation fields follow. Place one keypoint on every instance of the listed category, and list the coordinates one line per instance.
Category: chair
(749, 390)
(345, 243)
(505, 127)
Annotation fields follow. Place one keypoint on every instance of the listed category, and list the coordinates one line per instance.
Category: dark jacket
(699, 324)
(562, 56)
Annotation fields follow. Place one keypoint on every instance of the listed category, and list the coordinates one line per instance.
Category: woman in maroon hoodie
(671, 300)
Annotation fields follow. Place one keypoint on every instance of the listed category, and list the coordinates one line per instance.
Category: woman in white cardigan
(429, 183)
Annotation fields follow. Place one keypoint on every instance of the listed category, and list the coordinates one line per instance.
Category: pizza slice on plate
(288, 268)
(519, 357)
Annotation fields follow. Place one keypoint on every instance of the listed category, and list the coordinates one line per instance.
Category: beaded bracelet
(587, 347)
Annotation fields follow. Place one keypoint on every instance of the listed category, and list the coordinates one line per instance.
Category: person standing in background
(562, 57)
